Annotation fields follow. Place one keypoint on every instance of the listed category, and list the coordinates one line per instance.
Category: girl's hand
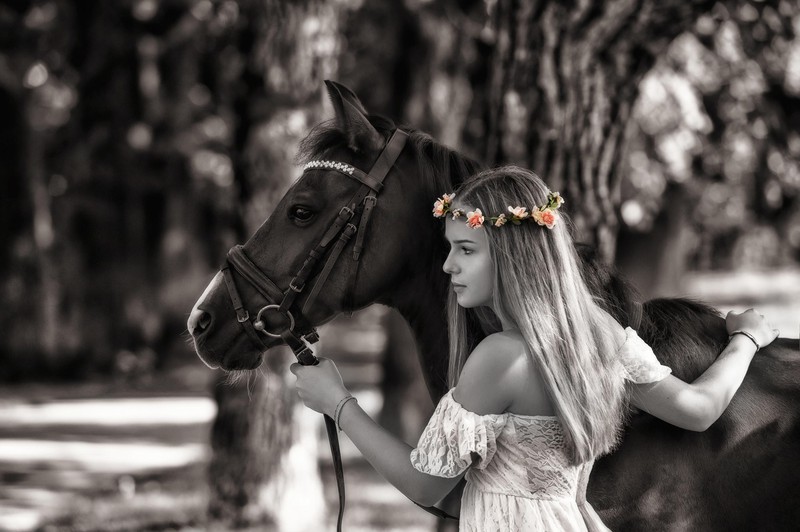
(752, 322)
(320, 387)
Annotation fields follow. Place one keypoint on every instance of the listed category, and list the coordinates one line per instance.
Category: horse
(743, 473)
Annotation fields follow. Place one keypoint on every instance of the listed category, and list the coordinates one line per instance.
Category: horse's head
(354, 229)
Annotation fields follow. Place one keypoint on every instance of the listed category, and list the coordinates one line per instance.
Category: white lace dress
(521, 479)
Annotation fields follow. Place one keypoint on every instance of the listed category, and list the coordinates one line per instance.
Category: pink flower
(475, 219)
(457, 213)
(501, 221)
(519, 212)
(545, 217)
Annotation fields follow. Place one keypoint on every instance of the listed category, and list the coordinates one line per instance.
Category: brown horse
(741, 474)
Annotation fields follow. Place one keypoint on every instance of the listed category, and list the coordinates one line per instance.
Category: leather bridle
(341, 231)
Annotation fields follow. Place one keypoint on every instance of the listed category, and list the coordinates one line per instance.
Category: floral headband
(544, 215)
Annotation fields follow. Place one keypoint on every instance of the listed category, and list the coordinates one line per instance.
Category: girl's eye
(301, 214)
(466, 251)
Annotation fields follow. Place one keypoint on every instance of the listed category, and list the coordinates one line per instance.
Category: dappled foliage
(142, 138)
(718, 116)
(138, 148)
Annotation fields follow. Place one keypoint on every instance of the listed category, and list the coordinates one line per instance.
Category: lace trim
(456, 438)
(639, 363)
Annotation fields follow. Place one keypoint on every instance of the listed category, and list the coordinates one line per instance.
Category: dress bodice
(530, 461)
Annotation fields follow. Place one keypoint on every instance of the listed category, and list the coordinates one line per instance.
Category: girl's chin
(465, 302)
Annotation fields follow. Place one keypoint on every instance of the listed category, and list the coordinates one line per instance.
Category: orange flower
(475, 219)
(545, 217)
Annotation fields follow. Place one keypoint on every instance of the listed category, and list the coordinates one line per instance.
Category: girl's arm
(697, 405)
(391, 457)
(480, 388)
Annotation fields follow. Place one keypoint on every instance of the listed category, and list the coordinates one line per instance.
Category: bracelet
(752, 338)
(338, 412)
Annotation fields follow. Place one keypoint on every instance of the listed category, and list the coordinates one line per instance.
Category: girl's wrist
(743, 339)
(343, 404)
(335, 405)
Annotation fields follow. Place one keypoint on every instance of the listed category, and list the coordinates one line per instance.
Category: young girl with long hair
(538, 399)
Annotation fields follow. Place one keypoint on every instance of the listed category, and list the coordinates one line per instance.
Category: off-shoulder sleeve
(453, 433)
(639, 363)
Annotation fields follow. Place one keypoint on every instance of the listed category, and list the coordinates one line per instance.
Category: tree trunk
(564, 78)
(289, 48)
(49, 289)
(251, 432)
(655, 261)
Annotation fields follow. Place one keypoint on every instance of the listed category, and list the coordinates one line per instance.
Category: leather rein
(352, 219)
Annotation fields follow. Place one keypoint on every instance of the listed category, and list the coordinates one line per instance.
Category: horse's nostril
(204, 322)
(199, 322)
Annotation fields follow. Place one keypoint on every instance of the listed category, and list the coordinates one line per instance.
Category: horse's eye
(301, 214)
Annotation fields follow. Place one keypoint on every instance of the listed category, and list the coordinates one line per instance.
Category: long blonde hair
(539, 287)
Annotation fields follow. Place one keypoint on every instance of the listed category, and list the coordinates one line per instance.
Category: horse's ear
(352, 119)
(346, 94)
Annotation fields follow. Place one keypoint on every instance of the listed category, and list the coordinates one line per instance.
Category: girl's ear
(351, 118)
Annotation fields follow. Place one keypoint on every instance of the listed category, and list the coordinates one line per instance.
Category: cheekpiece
(329, 165)
(544, 215)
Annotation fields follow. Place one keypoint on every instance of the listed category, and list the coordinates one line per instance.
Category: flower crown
(544, 215)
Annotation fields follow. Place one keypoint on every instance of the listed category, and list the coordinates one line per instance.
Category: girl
(530, 407)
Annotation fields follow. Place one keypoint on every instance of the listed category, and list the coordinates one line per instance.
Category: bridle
(352, 219)
(342, 229)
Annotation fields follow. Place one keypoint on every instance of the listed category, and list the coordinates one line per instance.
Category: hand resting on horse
(697, 405)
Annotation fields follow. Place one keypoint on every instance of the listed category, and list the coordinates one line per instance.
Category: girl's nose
(448, 265)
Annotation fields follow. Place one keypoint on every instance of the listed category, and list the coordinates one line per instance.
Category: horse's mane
(685, 335)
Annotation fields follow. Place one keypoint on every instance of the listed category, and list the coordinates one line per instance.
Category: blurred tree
(564, 80)
(718, 119)
(67, 236)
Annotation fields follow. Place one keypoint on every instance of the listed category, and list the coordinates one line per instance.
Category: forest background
(141, 139)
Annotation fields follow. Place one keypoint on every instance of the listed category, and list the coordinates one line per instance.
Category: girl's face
(469, 263)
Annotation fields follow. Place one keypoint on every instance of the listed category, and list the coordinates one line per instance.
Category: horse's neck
(424, 309)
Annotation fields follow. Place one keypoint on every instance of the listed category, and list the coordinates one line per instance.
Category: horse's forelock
(441, 168)
(327, 136)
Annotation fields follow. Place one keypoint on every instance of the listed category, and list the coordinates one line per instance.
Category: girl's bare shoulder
(486, 384)
(506, 348)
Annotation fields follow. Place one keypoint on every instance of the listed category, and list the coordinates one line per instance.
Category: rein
(339, 234)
